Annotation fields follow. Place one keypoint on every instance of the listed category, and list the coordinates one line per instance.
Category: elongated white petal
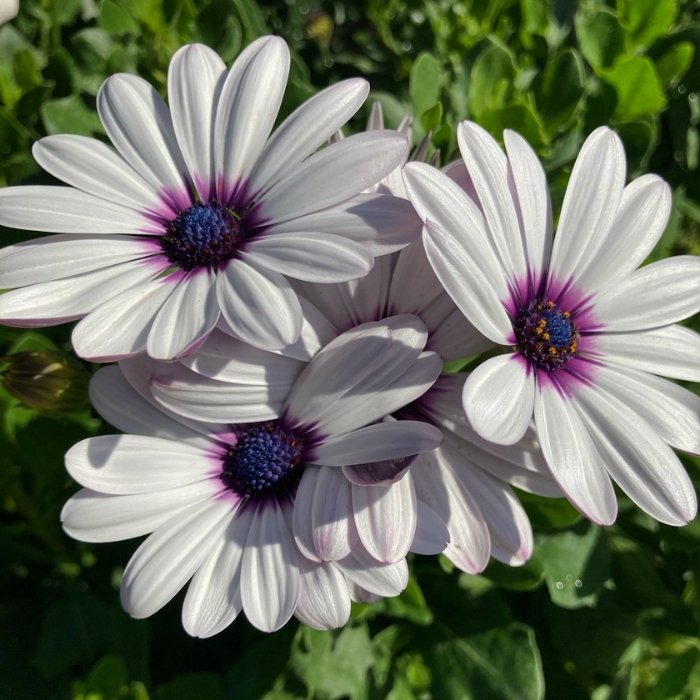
(373, 576)
(138, 123)
(590, 204)
(431, 536)
(638, 225)
(259, 305)
(374, 443)
(95, 168)
(655, 295)
(58, 301)
(572, 455)
(97, 517)
(57, 257)
(324, 601)
(123, 464)
(335, 174)
(380, 222)
(200, 398)
(195, 77)
(643, 465)
(302, 524)
(213, 599)
(672, 351)
(248, 106)
(498, 398)
(488, 167)
(132, 312)
(186, 318)
(532, 197)
(162, 565)
(303, 131)
(313, 257)
(65, 210)
(385, 517)
(270, 572)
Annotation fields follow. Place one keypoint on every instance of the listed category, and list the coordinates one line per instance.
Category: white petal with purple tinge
(324, 601)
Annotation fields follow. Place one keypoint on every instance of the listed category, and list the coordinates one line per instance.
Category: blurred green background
(597, 613)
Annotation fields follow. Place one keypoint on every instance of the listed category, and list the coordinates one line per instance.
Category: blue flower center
(546, 335)
(205, 235)
(266, 460)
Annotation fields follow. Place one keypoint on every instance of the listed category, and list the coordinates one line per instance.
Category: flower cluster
(282, 303)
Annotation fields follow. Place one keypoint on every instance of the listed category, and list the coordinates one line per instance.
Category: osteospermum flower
(199, 213)
(243, 510)
(588, 330)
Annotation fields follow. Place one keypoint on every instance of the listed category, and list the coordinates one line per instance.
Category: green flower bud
(49, 381)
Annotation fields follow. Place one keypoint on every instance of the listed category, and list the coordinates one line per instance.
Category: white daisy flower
(200, 213)
(588, 330)
(253, 512)
(8, 10)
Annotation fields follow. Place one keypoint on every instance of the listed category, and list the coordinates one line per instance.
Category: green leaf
(575, 566)
(673, 681)
(425, 84)
(191, 685)
(70, 116)
(333, 664)
(107, 677)
(547, 513)
(639, 90)
(646, 20)
(559, 90)
(431, 118)
(492, 78)
(410, 604)
(640, 139)
(601, 37)
(519, 117)
(501, 664)
(673, 64)
(527, 577)
(116, 20)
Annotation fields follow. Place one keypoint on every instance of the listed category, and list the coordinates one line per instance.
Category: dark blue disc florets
(204, 235)
(266, 460)
(546, 335)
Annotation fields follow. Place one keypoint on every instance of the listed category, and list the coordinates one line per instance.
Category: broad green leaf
(492, 78)
(501, 664)
(646, 20)
(640, 138)
(575, 566)
(70, 116)
(527, 577)
(518, 117)
(600, 36)
(547, 513)
(394, 110)
(107, 677)
(425, 84)
(639, 90)
(116, 19)
(410, 604)
(431, 118)
(559, 90)
(674, 679)
(673, 64)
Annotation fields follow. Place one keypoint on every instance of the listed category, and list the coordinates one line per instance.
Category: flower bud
(49, 381)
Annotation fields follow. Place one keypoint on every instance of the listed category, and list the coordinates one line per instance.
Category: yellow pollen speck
(552, 350)
(550, 305)
(546, 336)
(566, 314)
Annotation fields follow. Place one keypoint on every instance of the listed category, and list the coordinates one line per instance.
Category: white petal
(57, 257)
(270, 572)
(375, 443)
(590, 204)
(95, 168)
(123, 464)
(195, 77)
(302, 524)
(324, 601)
(186, 318)
(66, 210)
(314, 257)
(674, 412)
(138, 123)
(672, 351)
(132, 312)
(303, 131)
(498, 398)
(259, 305)
(213, 599)
(643, 465)
(655, 295)
(334, 174)
(573, 458)
(373, 576)
(532, 197)
(431, 536)
(488, 167)
(162, 565)
(638, 225)
(385, 517)
(200, 398)
(248, 106)
(97, 517)
(64, 300)
(382, 223)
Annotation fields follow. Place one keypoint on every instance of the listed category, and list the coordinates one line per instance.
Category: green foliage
(551, 69)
